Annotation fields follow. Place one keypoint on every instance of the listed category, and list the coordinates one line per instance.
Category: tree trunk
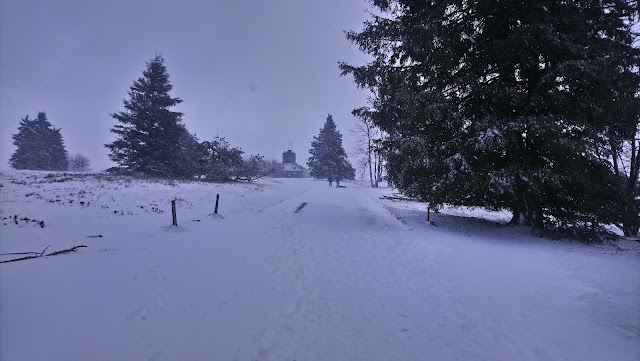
(537, 220)
(533, 214)
(369, 158)
(516, 217)
(526, 210)
(375, 170)
(614, 156)
(378, 169)
(517, 209)
(631, 223)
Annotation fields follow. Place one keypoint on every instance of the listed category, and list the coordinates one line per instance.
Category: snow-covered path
(344, 277)
(367, 287)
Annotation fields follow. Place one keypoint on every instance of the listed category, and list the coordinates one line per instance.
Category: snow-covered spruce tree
(151, 138)
(328, 158)
(504, 104)
(39, 146)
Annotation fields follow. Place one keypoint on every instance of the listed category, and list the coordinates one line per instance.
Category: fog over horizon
(262, 75)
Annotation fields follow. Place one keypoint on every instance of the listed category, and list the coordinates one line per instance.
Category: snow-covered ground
(347, 277)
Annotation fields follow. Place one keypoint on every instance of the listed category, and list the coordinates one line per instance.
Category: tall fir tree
(39, 146)
(328, 158)
(504, 104)
(151, 138)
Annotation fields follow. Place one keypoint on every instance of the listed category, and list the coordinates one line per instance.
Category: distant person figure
(330, 181)
(338, 182)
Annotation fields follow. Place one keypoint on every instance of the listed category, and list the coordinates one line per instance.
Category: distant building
(288, 157)
(289, 168)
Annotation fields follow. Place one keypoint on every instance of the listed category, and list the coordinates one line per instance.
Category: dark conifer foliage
(153, 141)
(39, 146)
(218, 161)
(505, 104)
(328, 158)
(151, 138)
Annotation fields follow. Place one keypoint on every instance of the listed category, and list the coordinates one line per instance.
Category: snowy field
(295, 270)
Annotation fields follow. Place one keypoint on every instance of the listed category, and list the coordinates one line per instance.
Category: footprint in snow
(144, 312)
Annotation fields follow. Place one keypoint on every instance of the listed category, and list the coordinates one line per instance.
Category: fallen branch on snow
(300, 207)
(398, 198)
(36, 253)
(40, 254)
(73, 249)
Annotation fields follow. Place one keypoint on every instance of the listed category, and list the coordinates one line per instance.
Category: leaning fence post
(428, 213)
(217, 200)
(173, 212)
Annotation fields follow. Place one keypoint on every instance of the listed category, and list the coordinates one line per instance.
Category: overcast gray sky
(260, 73)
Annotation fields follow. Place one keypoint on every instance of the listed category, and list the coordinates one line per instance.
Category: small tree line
(152, 140)
(40, 146)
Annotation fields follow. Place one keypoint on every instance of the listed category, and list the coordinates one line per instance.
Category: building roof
(293, 167)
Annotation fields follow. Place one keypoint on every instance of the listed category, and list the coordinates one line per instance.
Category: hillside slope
(294, 270)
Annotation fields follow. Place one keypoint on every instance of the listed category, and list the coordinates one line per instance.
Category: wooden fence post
(173, 212)
(217, 200)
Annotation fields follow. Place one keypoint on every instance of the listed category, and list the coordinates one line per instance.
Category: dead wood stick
(73, 249)
(17, 253)
(44, 250)
(18, 259)
(398, 198)
(38, 255)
